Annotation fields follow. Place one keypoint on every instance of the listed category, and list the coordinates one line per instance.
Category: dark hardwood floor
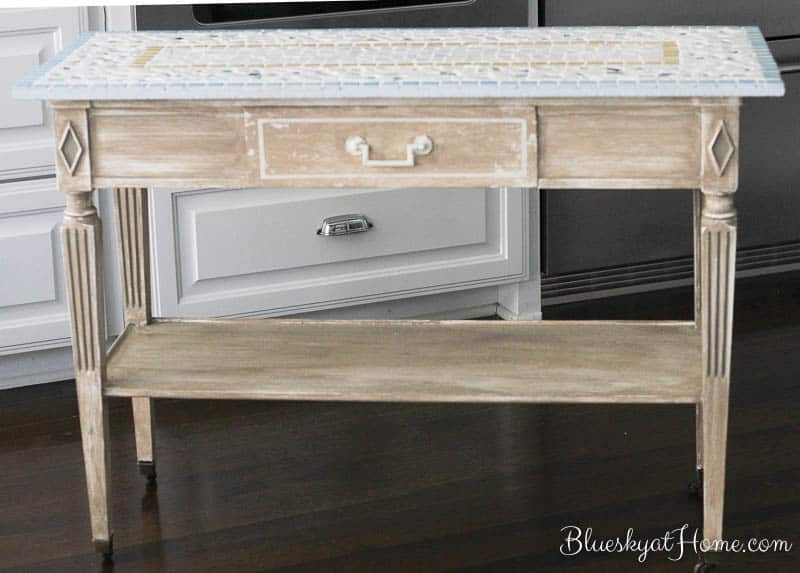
(316, 487)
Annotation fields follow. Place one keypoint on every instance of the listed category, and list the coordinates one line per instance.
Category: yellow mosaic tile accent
(144, 58)
(670, 53)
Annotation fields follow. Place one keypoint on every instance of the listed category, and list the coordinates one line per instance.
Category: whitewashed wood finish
(697, 208)
(305, 147)
(133, 241)
(133, 232)
(602, 144)
(584, 146)
(189, 148)
(718, 262)
(712, 121)
(81, 234)
(73, 118)
(717, 277)
(455, 361)
(487, 146)
(143, 429)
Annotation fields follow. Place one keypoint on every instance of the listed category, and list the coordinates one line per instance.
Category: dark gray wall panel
(579, 225)
(774, 17)
(589, 229)
(769, 176)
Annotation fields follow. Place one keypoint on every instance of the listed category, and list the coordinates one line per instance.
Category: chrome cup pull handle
(357, 145)
(344, 225)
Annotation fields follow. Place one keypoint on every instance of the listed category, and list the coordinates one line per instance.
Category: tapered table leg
(81, 235)
(718, 265)
(133, 243)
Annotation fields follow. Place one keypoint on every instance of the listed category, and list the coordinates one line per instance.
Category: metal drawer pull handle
(344, 225)
(357, 145)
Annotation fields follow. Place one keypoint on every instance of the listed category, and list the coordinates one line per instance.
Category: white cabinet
(29, 38)
(422, 241)
(33, 309)
(34, 319)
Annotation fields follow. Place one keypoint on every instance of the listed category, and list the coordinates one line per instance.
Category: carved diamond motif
(70, 149)
(721, 148)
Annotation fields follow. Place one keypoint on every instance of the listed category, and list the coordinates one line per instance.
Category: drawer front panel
(475, 146)
(256, 251)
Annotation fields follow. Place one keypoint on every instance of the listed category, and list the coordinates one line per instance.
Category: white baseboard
(36, 367)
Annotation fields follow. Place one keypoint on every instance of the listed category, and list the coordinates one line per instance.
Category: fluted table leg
(717, 273)
(718, 260)
(134, 257)
(81, 235)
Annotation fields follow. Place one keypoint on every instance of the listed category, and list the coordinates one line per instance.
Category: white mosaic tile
(430, 62)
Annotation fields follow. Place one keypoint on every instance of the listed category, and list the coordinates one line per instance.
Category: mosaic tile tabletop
(450, 62)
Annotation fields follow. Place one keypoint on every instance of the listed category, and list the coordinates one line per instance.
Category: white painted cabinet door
(257, 252)
(29, 38)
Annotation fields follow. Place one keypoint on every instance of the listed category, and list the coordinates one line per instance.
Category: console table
(578, 108)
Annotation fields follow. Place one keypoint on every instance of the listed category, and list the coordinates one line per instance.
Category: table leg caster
(696, 486)
(105, 547)
(705, 564)
(148, 470)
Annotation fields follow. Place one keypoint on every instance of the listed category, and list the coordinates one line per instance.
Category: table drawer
(408, 146)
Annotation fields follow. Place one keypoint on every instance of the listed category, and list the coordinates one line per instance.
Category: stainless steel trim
(786, 52)
(366, 11)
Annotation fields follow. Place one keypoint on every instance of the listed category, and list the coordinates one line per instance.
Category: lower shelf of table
(409, 361)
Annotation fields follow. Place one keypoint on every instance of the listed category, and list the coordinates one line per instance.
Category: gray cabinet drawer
(257, 251)
(774, 17)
